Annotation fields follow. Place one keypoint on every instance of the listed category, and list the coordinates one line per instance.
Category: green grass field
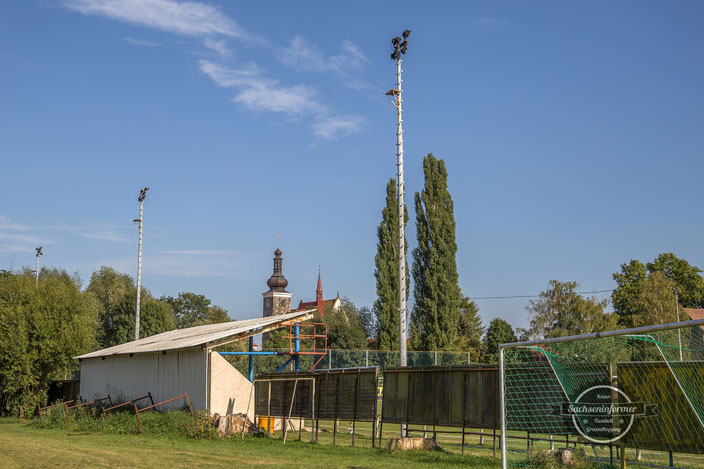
(25, 446)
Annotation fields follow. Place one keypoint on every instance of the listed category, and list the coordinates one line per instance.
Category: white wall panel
(164, 375)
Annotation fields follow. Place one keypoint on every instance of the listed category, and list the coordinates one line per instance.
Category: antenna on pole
(400, 45)
(36, 272)
(142, 196)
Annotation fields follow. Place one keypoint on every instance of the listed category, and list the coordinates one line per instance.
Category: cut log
(405, 444)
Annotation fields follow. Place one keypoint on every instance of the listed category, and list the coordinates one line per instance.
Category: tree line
(44, 324)
(443, 318)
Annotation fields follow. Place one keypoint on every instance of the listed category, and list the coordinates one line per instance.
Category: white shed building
(171, 363)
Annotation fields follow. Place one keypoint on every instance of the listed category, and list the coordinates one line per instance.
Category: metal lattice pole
(36, 272)
(401, 225)
(400, 45)
(141, 198)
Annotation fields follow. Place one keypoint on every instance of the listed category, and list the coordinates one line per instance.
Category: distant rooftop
(694, 314)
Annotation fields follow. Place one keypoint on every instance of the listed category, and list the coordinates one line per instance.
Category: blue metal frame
(295, 356)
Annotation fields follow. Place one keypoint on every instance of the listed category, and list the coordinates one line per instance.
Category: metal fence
(464, 396)
(354, 359)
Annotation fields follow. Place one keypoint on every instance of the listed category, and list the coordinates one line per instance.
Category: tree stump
(405, 444)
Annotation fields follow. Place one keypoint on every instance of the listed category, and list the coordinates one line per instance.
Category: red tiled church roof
(320, 304)
(314, 304)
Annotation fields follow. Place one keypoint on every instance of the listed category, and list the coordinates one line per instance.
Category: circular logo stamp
(603, 414)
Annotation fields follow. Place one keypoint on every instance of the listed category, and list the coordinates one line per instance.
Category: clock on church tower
(277, 300)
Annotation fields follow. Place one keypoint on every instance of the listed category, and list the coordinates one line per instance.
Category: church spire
(319, 290)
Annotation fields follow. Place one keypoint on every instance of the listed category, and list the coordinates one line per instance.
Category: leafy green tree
(470, 328)
(655, 303)
(345, 327)
(41, 328)
(436, 289)
(191, 309)
(687, 278)
(370, 323)
(277, 340)
(386, 271)
(628, 286)
(110, 288)
(561, 311)
(117, 298)
(629, 298)
(499, 332)
(155, 317)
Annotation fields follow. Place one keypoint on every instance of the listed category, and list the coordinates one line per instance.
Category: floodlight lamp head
(406, 33)
(403, 50)
(394, 56)
(395, 41)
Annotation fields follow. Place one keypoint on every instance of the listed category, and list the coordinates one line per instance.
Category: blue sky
(572, 132)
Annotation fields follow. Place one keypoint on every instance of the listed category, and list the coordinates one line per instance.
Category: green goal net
(632, 398)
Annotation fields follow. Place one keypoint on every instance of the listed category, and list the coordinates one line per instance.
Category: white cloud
(303, 56)
(491, 24)
(187, 18)
(7, 224)
(18, 242)
(140, 42)
(338, 126)
(253, 90)
(13, 237)
(218, 46)
(259, 93)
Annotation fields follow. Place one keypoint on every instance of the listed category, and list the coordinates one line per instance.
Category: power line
(531, 296)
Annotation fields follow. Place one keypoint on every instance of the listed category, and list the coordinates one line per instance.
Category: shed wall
(164, 375)
(230, 391)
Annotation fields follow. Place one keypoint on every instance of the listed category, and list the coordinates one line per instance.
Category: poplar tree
(386, 271)
(436, 289)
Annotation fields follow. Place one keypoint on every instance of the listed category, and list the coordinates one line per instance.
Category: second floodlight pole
(401, 225)
(400, 46)
(142, 196)
(394, 95)
(36, 272)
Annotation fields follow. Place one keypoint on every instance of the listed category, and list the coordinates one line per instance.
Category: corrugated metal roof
(201, 335)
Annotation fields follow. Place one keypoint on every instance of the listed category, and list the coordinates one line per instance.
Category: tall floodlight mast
(36, 272)
(400, 45)
(142, 196)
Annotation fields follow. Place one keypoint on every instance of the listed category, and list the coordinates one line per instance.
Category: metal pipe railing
(149, 395)
(137, 410)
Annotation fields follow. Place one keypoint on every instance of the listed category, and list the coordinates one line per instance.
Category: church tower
(277, 300)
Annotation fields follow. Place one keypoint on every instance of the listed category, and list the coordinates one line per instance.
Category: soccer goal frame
(643, 334)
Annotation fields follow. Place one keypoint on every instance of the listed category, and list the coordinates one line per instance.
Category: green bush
(154, 422)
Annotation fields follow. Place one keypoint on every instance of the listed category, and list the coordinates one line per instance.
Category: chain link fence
(351, 359)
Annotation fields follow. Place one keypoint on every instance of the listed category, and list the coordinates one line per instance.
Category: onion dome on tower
(277, 281)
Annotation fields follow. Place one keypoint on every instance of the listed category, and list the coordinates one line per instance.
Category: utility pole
(394, 95)
(142, 196)
(36, 272)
